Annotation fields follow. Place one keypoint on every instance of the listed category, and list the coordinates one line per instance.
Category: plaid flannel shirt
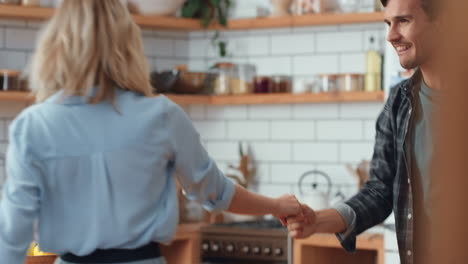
(389, 184)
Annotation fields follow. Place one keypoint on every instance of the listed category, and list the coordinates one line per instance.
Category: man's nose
(393, 34)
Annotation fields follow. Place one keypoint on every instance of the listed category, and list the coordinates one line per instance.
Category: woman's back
(104, 178)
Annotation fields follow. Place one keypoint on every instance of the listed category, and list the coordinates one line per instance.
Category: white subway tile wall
(285, 140)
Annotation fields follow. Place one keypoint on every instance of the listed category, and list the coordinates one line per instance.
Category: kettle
(312, 191)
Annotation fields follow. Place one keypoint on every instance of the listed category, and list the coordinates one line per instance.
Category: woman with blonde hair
(94, 160)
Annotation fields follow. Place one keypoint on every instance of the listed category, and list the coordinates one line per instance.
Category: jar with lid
(281, 84)
(351, 82)
(262, 84)
(9, 80)
(243, 77)
(329, 82)
(224, 72)
(10, 2)
(31, 2)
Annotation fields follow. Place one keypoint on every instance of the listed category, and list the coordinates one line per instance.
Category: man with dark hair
(399, 176)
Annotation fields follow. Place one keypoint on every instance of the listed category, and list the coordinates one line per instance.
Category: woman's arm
(246, 202)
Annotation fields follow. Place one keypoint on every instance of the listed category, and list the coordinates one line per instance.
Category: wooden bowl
(41, 260)
(190, 83)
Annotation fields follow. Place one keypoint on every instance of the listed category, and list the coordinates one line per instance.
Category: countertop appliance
(249, 242)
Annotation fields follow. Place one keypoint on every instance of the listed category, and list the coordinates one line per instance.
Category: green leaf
(206, 17)
(222, 17)
(222, 48)
(215, 2)
(191, 7)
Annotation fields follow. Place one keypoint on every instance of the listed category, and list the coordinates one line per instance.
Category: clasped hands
(299, 218)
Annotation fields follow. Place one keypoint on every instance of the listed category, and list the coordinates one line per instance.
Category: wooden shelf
(15, 96)
(249, 99)
(174, 23)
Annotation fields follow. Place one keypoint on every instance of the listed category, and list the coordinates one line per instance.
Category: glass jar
(351, 82)
(281, 84)
(10, 2)
(262, 84)
(9, 80)
(224, 73)
(329, 82)
(31, 2)
(243, 78)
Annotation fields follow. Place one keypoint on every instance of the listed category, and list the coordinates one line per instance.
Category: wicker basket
(40, 260)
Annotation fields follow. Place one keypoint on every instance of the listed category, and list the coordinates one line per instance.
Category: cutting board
(40, 260)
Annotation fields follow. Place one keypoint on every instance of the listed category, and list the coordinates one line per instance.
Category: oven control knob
(214, 247)
(230, 248)
(256, 250)
(245, 249)
(205, 246)
(267, 251)
(278, 252)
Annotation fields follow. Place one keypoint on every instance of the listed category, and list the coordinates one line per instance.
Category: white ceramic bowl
(157, 7)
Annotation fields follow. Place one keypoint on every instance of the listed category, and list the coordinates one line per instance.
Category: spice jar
(281, 84)
(9, 80)
(329, 82)
(262, 84)
(31, 2)
(224, 73)
(242, 81)
(10, 2)
(351, 82)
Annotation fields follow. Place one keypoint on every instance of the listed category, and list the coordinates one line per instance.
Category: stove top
(260, 227)
(259, 224)
(264, 241)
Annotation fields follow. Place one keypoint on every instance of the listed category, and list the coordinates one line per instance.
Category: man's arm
(374, 202)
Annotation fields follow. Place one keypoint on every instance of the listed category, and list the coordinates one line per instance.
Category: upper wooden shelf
(174, 23)
(248, 99)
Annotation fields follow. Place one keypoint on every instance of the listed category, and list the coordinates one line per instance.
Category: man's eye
(404, 21)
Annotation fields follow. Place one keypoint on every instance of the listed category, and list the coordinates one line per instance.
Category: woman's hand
(288, 206)
(303, 226)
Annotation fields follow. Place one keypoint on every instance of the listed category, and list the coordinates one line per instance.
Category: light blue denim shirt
(98, 178)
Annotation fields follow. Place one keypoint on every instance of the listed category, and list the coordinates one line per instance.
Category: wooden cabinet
(326, 249)
(186, 246)
(184, 249)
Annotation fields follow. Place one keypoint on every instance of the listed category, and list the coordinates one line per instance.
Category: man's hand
(288, 206)
(304, 225)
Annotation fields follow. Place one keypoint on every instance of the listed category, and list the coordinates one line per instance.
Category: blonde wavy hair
(87, 44)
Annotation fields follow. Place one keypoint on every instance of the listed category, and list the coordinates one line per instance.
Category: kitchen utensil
(40, 260)
(155, 7)
(314, 188)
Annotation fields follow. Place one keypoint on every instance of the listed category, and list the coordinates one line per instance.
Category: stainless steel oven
(252, 242)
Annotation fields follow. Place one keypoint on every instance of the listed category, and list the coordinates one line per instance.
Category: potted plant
(209, 11)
